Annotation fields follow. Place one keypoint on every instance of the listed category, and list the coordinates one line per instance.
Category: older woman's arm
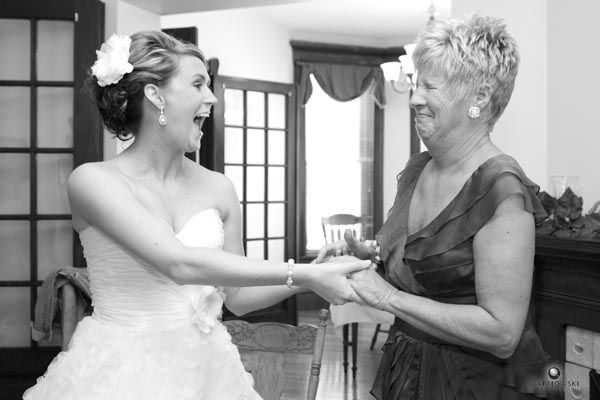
(503, 256)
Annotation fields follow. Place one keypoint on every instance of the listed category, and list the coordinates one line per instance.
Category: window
(339, 161)
(340, 137)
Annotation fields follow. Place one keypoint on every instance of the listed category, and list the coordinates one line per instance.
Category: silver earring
(162, 118)
(473, 112)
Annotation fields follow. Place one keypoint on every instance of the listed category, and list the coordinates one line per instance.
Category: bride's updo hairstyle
(155, 57)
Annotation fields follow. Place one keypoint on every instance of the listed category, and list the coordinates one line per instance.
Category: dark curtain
(342, 82)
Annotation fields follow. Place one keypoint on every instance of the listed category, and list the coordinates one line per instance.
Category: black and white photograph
(299, 200)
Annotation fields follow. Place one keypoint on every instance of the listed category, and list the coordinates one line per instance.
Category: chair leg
(345, 347)
(374, 339)
(354, 347)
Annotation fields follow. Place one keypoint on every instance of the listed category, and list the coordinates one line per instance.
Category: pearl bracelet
(290, 273)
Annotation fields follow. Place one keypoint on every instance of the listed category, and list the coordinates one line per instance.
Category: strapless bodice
(133, 295)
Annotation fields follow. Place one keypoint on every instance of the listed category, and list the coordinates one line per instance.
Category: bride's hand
(330, 280)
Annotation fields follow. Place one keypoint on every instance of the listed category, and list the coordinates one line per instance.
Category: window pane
(276, 220)
(255, 249)
(255, 183)
(277, 147)
(55, 117)
(234, 109)
(331, 125)
(236, 175)
(15, 39)
(255, 223)
(276, 110)
(14, 251)
(14, 309)
(55, 246)
(277, 250)
(256, 109)
(14, 108)
(55, 50)
(256, 146)
(234, 146)
(14, 184)
(276, 183)
(53, 171)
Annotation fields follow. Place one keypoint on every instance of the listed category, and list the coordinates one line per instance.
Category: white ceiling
(383, 21)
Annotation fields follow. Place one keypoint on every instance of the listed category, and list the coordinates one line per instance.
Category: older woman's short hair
(470, 53)
(155, 57)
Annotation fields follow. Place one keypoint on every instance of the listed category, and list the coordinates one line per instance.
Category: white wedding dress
(148, 338)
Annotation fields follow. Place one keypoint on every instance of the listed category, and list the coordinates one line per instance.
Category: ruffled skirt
(178, 363)
(412, 369)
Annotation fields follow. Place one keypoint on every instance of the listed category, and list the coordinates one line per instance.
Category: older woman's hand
(373, 290)
(349, 246)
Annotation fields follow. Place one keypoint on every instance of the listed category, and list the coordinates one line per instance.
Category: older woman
(458, 244)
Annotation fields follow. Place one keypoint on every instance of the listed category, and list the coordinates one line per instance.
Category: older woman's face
(439, 112)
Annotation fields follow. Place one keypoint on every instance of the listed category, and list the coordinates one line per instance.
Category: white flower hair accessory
(113, 60)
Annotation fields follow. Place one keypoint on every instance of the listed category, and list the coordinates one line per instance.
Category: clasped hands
(363, 285)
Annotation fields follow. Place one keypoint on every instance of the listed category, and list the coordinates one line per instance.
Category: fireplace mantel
(566, 290)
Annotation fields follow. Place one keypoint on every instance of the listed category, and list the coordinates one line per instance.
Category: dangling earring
(473, 112)
(162, 118)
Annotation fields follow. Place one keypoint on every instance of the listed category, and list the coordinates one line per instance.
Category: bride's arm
(101, 198)
(242, 300)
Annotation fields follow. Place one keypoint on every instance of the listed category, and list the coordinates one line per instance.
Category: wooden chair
(265, 346)
(335, 225)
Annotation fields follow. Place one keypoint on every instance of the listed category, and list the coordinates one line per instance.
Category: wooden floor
(334, 384)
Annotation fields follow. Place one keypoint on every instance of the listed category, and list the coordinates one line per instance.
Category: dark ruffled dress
(437, 262)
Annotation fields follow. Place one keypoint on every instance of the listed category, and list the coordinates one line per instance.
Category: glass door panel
(14, 105)
(14, 325)
(276, 143)
(276, 249)
(55, 117)
(255, 223)
(256, 146)
(14, 251)
(234, 112)
(55, 50)
(15, 40)
(255, 115)
(276, 110)
(54, 246)
(14, 183)
(53, 172)
(234, 145)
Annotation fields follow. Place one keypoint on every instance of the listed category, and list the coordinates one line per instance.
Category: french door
(253, 143)
(48, 127)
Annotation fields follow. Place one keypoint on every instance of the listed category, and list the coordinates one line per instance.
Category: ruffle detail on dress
(207, 304)
(105, 363)
(493, 182)
(413, 369)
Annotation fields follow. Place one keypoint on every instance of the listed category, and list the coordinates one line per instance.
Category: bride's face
(188, 101)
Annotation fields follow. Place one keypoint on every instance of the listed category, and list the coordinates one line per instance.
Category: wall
(522, 130)
(255, 49)
(573, 88)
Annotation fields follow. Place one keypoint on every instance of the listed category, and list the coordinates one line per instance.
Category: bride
(162, 240)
